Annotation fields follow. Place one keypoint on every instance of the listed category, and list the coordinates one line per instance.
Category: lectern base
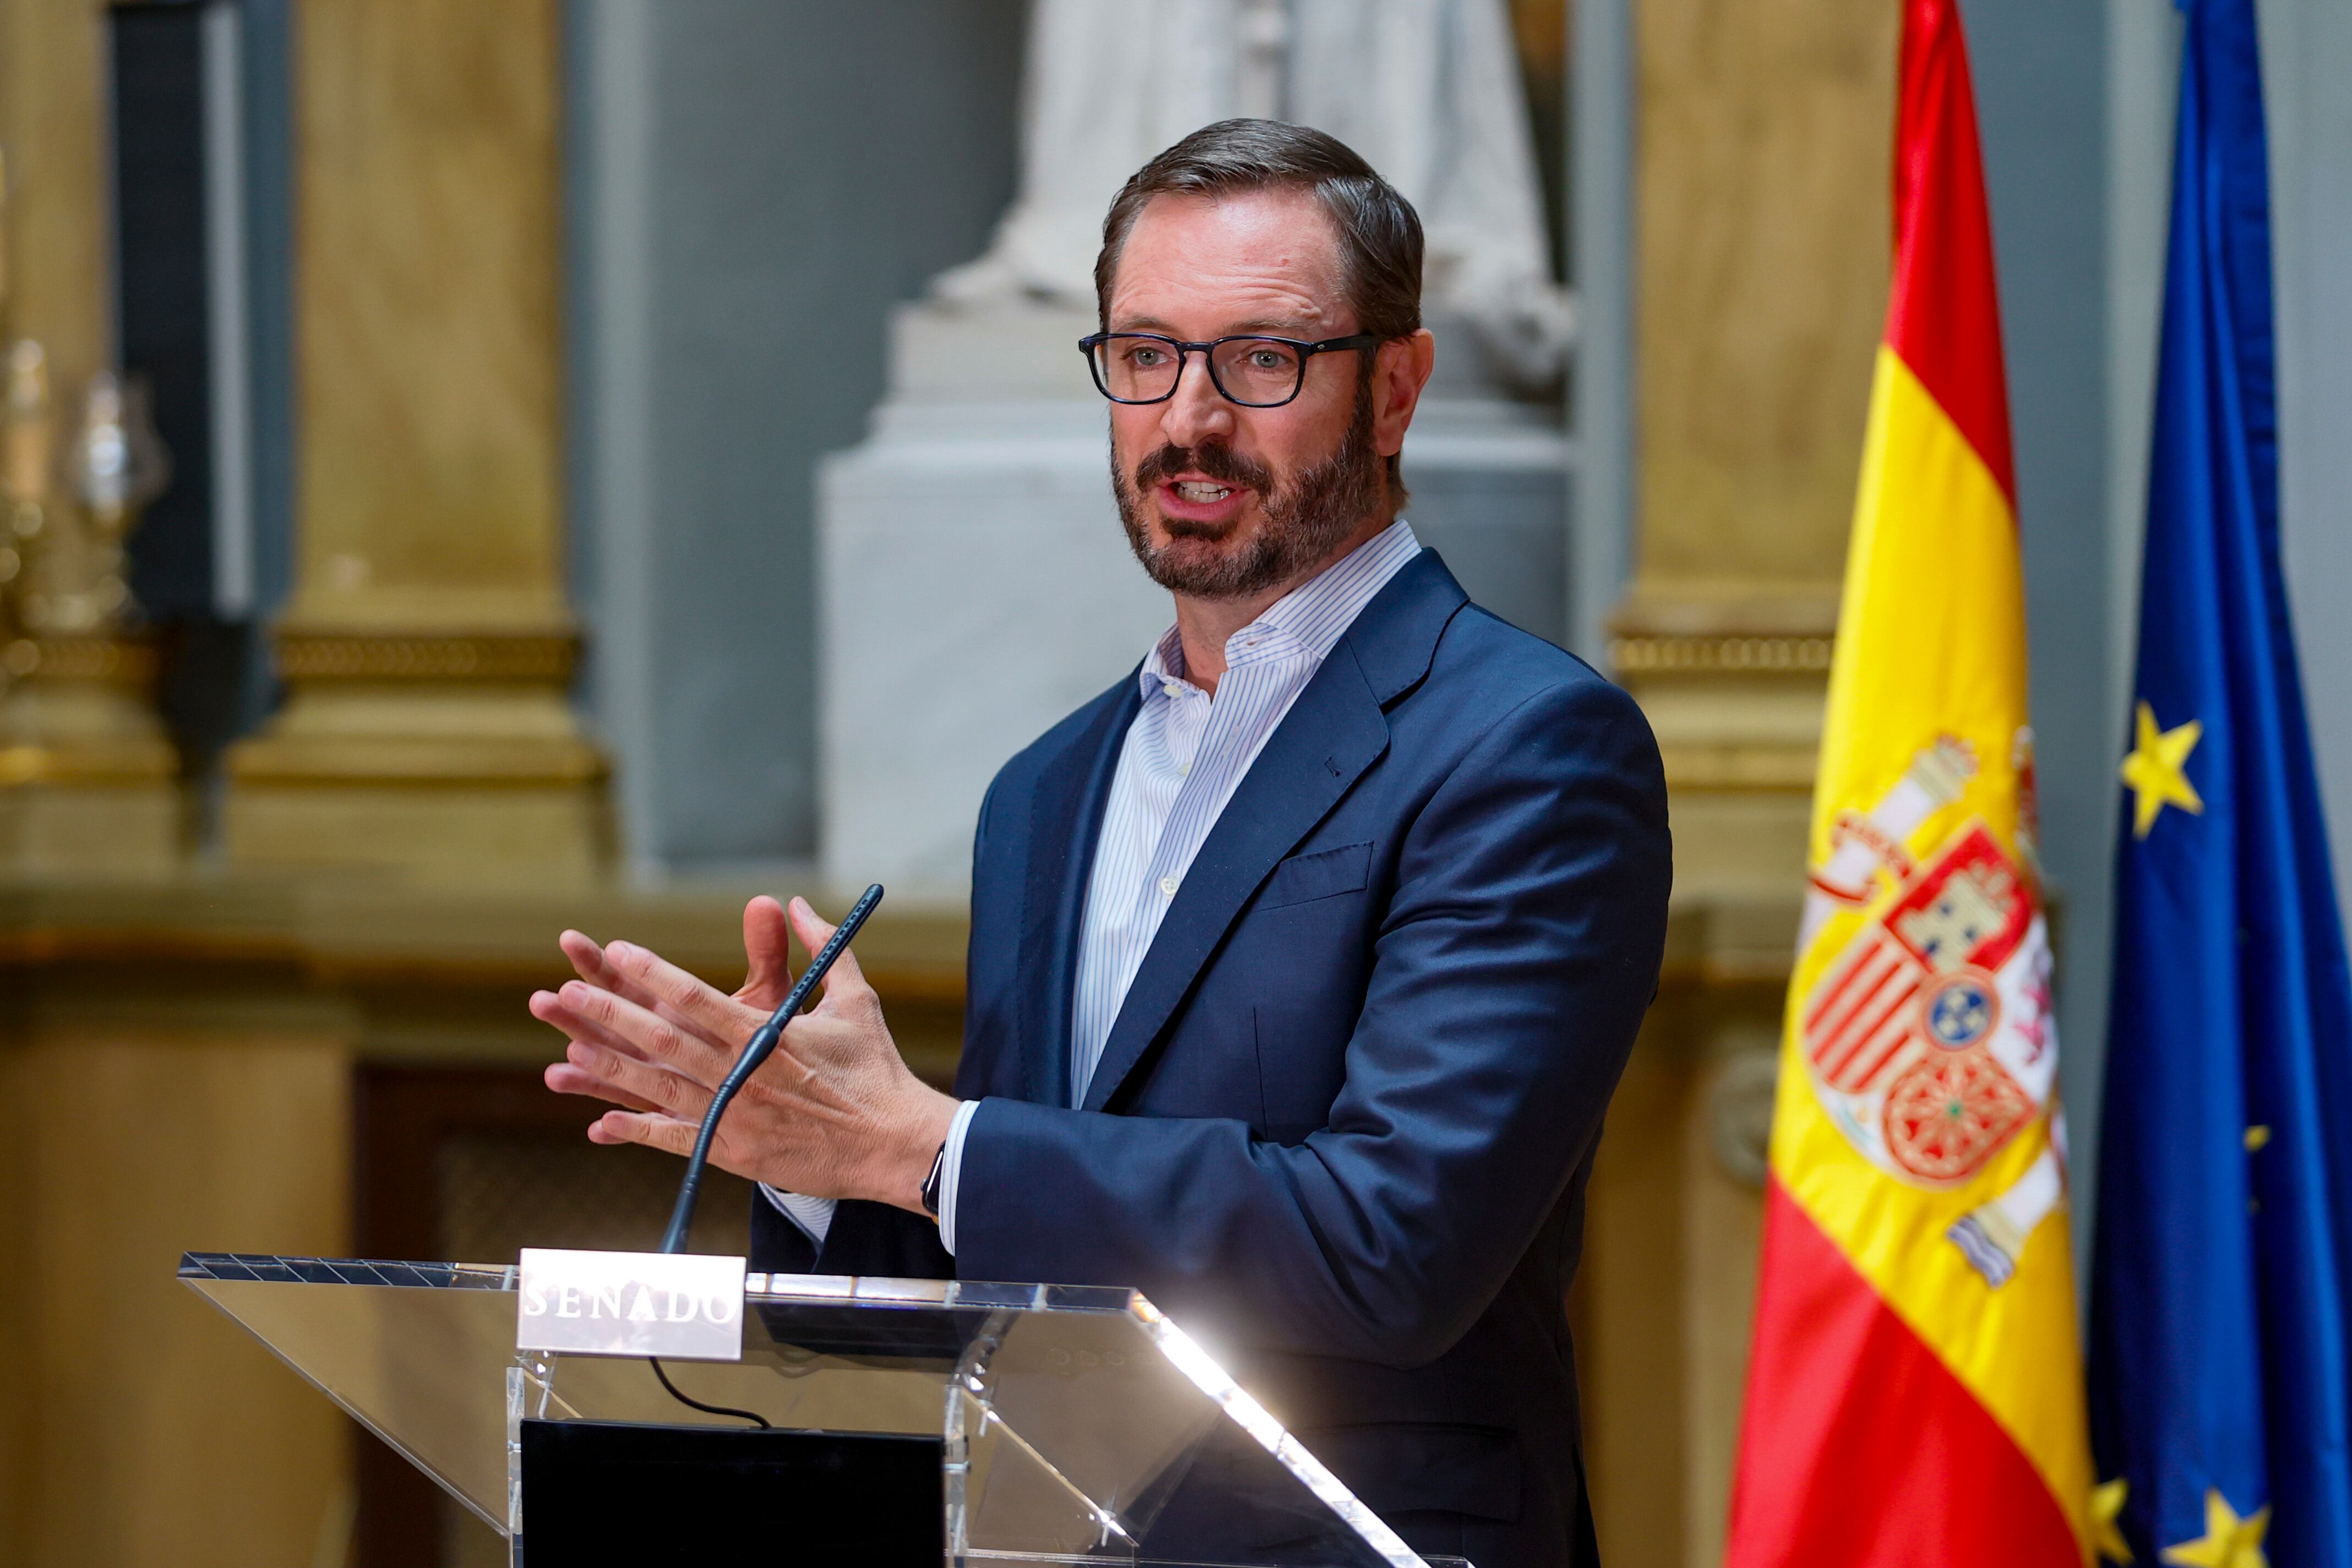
(596, 1492)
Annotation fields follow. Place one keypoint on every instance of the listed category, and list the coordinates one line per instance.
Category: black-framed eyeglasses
(1252, 370)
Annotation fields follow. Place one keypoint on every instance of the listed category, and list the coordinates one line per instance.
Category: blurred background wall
(720, 347)
(509, 359)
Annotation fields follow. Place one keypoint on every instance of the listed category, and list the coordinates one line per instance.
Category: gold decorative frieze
(81, 764)
(125, 661)
(1653, 655)
(451, 755)
(327, 656)
(1740, 766)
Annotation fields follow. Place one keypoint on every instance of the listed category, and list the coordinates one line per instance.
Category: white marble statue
(1427, 90)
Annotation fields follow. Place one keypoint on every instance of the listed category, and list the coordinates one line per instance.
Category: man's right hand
(767, 949)
(833, 1113)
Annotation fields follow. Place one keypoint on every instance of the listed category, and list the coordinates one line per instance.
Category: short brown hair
(1379, 234)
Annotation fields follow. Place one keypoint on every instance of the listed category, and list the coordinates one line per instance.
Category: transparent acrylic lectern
(907, 1420)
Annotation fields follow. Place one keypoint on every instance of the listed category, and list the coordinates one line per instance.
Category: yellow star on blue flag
(2222, 1271)
(2154, 770)
(2229, 1542)
(2106, 1506)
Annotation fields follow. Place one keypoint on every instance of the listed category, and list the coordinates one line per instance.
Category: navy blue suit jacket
(1344, 1121)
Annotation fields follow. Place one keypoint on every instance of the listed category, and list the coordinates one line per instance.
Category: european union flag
(2221, 1396)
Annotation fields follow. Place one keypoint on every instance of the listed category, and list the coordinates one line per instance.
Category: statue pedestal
(975, 586)
(88, 779)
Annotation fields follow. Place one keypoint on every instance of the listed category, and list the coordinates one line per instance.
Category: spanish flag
(1915, 1390)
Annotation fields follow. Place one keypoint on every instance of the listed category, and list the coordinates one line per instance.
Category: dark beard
(1302, 524)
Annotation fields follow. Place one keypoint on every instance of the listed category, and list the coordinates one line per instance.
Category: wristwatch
(932, 1182)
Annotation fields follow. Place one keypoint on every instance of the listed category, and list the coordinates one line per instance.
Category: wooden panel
(427, 298)
(166, 1436)
(1722, 1224)
(1630, 1291)
(1765, 130)
(19, 1438)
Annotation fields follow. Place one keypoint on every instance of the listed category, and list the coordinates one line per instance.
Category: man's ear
(1402, 370)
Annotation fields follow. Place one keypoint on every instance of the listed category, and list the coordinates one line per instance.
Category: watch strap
(932, 1182)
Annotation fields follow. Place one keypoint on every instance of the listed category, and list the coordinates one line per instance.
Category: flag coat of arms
(1915, 1392)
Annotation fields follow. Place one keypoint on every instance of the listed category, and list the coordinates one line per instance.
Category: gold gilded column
(1762, 237)
(52, 108)
(427, 646)
(88, 779)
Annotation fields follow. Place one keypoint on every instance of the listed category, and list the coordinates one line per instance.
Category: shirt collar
(1309, 619)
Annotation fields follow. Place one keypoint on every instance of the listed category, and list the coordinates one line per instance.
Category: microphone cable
(753, 1416)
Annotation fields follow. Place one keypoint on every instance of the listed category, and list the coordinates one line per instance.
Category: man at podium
(1304, 960)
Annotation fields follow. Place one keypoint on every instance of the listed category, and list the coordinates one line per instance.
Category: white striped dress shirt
(1185, 754)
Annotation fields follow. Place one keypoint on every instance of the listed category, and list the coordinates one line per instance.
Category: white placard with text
(687, 1306)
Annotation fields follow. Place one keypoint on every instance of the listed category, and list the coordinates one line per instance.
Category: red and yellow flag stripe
(1913, 1391)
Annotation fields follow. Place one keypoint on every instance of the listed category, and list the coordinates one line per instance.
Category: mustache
(1220, 463)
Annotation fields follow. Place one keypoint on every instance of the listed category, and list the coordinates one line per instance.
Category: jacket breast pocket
(1323, 874)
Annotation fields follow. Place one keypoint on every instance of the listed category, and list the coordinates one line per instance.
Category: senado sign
(630, 1303)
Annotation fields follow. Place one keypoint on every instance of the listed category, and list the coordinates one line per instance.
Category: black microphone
(762, 1046)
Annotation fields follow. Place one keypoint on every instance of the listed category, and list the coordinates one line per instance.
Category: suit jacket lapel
(1065, 822)
(1332, 734)
(1336, 728)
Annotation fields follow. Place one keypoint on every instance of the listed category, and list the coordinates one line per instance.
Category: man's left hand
(833, 1113)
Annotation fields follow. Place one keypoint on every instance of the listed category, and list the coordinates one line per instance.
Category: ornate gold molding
(431, 762)
(451, 755)
(1666, 655)
(342, 656)
(76, 713)
(123, 660)
(49, 765)
(1764, 767)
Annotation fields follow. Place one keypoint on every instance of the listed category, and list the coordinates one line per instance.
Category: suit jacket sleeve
(1517, 955)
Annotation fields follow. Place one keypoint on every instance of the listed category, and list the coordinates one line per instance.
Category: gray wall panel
(2041, 101)
(761, 182)
(2307, 63)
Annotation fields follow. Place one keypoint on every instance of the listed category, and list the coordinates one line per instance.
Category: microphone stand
(762, 1046)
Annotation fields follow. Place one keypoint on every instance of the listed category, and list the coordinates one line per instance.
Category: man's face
(1221, 500)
